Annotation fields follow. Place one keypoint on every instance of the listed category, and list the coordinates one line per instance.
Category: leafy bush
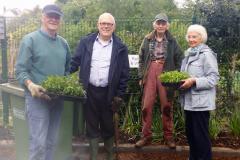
(131, 116)
(214, 127)
(234, 124)
(178, 117)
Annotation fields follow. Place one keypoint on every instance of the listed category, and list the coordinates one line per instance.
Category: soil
(224, 139)
(227, 140)
(161, 156)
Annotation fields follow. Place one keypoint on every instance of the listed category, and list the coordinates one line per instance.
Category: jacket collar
(192, 54)
(117, 44)
(151, 35)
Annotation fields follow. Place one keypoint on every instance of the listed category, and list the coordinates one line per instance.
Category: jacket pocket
(196, 69)
(201, 99)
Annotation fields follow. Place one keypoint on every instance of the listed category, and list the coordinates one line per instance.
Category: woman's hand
(188, 83)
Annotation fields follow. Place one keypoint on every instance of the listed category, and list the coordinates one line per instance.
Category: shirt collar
(102, 42)
(47, 35)
(163, 39)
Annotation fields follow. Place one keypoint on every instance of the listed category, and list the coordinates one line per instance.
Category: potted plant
(67, 87)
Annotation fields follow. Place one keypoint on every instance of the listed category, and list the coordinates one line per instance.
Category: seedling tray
(66, 97)
(175, 85)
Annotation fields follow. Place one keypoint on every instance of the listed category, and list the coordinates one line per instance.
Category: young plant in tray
(173, 78)
(64, 85)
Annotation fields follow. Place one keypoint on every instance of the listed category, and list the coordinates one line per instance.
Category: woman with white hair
(199, 91)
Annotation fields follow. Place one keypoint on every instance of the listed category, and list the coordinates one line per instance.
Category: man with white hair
(159, 52)
(104, 72)
(43, 53)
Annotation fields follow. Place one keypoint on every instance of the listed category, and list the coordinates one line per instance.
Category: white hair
(106, 15)
(198, 29)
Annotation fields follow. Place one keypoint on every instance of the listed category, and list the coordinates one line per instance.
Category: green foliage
(173, 76)
(214, 127)
(73, 32)
(234, 124)
(64, 85)
(178, 30)
(132, 116)
(236, 83)
(178, 117)
(120, 9)
(222, 19)
(157, 126)
(133, 40)
(74, 11)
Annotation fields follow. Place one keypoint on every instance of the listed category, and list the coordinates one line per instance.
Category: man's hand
(188, 83)
(116, 103)
(37, 91)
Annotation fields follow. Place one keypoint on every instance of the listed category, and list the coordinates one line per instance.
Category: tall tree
(222, 20)
(119, 8)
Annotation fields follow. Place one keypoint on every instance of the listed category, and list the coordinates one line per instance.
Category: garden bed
(224, 139)
(226, 147)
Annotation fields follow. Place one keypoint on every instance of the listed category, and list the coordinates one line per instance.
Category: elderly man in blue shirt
(104, 72)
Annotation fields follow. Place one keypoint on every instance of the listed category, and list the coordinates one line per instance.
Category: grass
(214, 127)
(234, 124)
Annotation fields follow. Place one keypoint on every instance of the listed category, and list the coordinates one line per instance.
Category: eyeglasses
(103, 24)
(193, 36)
(53, 16)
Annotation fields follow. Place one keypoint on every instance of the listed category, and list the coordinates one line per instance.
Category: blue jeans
(43, 118)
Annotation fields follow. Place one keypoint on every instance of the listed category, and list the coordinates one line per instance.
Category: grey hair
(102, 16)
(198, 29)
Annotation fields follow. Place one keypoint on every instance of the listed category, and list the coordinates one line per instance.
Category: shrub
(234, 124)
(214, 127)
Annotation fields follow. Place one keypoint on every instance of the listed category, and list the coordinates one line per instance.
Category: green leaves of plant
(173, 76)
(64, 85)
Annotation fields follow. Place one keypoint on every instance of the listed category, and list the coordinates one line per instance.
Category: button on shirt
(100, 63)
(159, 50)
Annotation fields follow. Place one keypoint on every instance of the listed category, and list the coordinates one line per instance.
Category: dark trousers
(98, 113)
(197, 124)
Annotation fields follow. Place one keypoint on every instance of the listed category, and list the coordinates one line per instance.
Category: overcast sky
(22, 4)
(29, 4)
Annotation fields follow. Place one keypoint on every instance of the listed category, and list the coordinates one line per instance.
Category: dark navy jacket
(119, 65)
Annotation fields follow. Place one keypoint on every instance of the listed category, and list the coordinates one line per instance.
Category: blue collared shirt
(100, 63)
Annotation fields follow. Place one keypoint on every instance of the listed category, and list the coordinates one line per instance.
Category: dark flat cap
(161, 16)
(52, 8)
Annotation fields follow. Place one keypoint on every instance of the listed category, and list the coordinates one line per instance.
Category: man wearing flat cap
(159, 52)
(42, 53)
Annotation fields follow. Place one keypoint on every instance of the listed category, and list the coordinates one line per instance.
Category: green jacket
(173, 56)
